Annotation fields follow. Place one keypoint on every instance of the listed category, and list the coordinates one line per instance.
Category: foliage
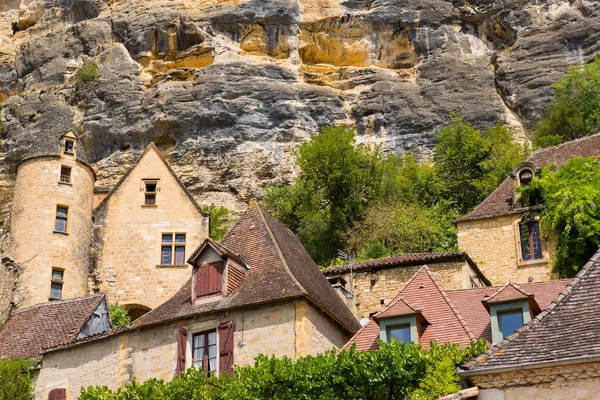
(394, 371)
(575, 109)
(119, 315)
(16, 379)
(87, 73)
(571, 198)
(220, 221)
(473, 163)
(336, 181)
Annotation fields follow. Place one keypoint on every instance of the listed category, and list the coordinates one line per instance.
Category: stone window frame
(523, 305)
(519, 254)
(202, 327)
(173, 245)
(60, 176)
(147, 203)
(386, 323)
(55, 281)
(66, 219)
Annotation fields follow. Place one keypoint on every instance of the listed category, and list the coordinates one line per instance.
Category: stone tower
(51, 220)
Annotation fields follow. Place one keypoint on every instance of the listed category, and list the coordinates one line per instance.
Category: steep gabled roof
(150, 147)
(31, 330)
(508, 292)
(397, 307)
(423, 292)
(220, 249)
(500, 200)
(280, 268)
(566, 329)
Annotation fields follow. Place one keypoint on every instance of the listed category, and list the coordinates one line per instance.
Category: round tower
(51, 221)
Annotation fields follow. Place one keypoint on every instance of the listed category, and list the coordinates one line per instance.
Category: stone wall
(33, 242)
(574, 382)
(494, 244)
(291, 329)
(129, 235)
(373, 289)
(9, 275)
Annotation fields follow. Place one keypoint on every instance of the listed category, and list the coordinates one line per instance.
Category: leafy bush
(571, 198)
(119, 315)
(394, 371)
(575, 109)
(87, 73)
(220, 221)
(15, 379)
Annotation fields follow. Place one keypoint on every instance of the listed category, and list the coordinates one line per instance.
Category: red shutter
(202, 281)
(226, 347)
(58, 394)
(216, 278)
(181, 350)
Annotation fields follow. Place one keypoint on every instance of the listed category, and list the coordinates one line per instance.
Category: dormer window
(400, 333)
(525, 177)
(209, 279)
(69, 147)
(509, 321)
(400, 321)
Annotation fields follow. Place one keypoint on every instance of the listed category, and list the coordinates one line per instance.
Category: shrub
(220, 221)
(15, 379)
(119, 315)
(87, 73)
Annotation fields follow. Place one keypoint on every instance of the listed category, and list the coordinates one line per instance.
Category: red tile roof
(31, 330)
(500, 200)
(396, 308)
(566, 330)
(508, 292)
(456, 316)
(280, 268)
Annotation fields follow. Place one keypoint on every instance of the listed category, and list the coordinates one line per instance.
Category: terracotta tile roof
(396, 308)
(500, 200)
(31, 330)
(280, 268)
(425, 293)
(407, 260)
(153, 147)
(566, 329)
(222, 250)
(455, 316)
(508, 292)
(469, 302)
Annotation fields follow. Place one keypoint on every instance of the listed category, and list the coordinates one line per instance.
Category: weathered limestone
(293, 329)
(494, 244)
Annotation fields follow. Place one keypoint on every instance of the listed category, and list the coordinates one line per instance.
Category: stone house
(131, 246)
(370, 285)
(554, 356)
(502, 234)
(423, 311)
(29, 331)
(258, 291)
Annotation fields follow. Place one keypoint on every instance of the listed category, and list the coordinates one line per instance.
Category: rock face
(227, 88)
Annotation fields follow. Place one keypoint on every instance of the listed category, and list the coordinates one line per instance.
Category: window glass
(531, 244)
(525, 177)
(65, 174)
(179, 255)
(510, 321)
(167, 238)
(204, 351)
(180, 238)
(68, 147)
(57, 275)
(399, 332)
(56, 290)
(166, 255)
(61, 219)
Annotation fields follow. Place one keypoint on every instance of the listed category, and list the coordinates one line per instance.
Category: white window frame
(386, 323)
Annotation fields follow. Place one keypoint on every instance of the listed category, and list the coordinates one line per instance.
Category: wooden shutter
(226, 347)
(216, 278)
(181, 350)
(202, 276)
(58, 394)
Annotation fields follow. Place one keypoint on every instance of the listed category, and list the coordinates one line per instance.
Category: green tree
(571, 199)
(337, 179)
(16, 379)
(575, 108)
(473, 163)
(220, 221)
(119, 315)
(87, 73)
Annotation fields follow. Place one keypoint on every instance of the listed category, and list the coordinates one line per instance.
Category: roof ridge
(57, 302)
(556, 146)
(537, 319)
(151, 146)
(457, 313)
(395, 301)
(101, 298)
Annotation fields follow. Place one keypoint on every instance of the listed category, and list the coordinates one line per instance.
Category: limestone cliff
(228, 87)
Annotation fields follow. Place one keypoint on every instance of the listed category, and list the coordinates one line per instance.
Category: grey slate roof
(568, 328)
(43, 138)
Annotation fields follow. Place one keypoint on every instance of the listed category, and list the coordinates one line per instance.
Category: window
(204, 351)
(510, 321)
(209, 279)
(531, 245)
(65, 174)
(150, 189)
(525, 177)
(69, 146)
(61, 219)
(56, 285)
(172, 249)
(399, 332)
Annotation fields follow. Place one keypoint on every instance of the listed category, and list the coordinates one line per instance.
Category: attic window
(509, 321)
(525, 177)
(403, 329)
(150, 189)
(507, 317)
(69, 146)
(209, 279)
(399, 332)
